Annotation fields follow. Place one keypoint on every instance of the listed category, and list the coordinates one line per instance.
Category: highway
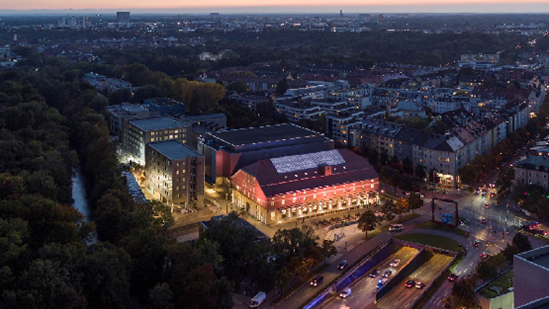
(402, 297)
(362, 290)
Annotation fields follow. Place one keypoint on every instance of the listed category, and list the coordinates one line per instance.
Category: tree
(328, 249)
(521, 242)
(197, 96)
(468, 174)
(282, 86)
(485, 270)
(239, 87)
(160, 297)
(402, 206)
(463, 292)
(388, 209)
(509, 252)
(420, 172)
(414, 201)
(407, 166)
(368, 221)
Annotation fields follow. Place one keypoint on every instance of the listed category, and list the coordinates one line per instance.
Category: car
(387, 273)
(483, 192)
(492, 194)
(486, 205)
(484, 255)
(395, 263)
(342, 265)
(463, 221)
(540, 232)
(374, 273)
(317, 281)
(453, 277)
(395, 227)
(476, 243)
(410, 284)
(420, 285)
(345, 293)
(483, 220)
(382, 281)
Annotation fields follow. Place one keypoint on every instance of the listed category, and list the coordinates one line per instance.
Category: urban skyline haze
(276, 6)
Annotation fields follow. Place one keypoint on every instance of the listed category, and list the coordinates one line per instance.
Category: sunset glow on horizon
(178, 4)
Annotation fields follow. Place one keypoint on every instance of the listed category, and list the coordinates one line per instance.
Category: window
(283, 202)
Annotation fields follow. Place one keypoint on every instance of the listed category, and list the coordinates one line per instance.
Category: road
(402, 297)
(363, 289)
(500, 219)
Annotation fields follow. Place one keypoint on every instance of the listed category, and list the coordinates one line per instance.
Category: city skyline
(280, 6)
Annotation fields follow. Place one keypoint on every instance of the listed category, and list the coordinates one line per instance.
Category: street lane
(402, 297)
(364, 287)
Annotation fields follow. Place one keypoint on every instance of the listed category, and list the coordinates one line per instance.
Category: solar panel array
(307, 161)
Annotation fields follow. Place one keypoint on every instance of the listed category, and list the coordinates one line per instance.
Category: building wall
(178, 182)
(505, 301)
(247, 194)
(531, 176)
(135, 139)
(528, 281)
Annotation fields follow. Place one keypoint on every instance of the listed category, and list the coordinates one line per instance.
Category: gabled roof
(348, 167)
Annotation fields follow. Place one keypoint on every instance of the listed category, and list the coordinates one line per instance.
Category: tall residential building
(174, 174)
(139, 132)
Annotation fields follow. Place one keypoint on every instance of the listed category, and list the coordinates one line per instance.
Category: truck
(257, 300)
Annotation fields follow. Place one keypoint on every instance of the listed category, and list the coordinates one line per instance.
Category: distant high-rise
(123, 17)
(341, 13)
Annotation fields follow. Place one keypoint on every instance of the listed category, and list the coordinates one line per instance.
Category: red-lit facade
(273, 197)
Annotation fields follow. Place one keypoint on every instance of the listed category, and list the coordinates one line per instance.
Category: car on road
(483, 192)
(387, 273)
(453, 277)
(381, 282)
(486, 205)
(492, 194)
(463, 221)
(476, 243)
(540, 232)
(317, 281)
(420, 285)
(410, 284)
(483, 220)
(374, 273)
(345, 293)
(342, 265)
(395, 263)
(484, 255)
(395, 227)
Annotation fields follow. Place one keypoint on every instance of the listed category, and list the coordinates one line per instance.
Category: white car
(345, 293)
(395, 263)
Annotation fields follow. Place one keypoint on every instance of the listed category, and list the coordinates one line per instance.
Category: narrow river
(79, 194)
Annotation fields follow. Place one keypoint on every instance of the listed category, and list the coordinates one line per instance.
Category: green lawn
(505, 282)
(432, 240)
(442, 227)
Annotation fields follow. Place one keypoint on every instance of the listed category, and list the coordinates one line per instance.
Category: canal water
(79, 196)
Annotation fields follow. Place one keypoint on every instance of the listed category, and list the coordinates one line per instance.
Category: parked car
(540, 232)
(374, 273)
(345, 293)
(410, 284)
(395, 263)
(342, 265)
(317, 281)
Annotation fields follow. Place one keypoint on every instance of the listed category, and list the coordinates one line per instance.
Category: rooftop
(499, 286)
(158, 123)
(307, 161)
(538, 256)
(263, 134)
(174, 150)
(534, 162)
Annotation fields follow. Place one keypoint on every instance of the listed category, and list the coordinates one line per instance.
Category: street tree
(388, 209)
(368, 221)
(414, 201)
(522, 242)
(402, 206)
